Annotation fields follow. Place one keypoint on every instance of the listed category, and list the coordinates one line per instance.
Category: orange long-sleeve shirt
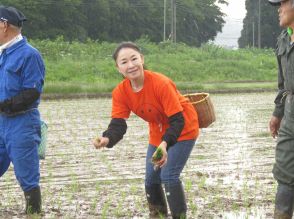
(158, 100)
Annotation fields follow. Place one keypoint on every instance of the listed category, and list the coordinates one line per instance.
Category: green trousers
(284, 164)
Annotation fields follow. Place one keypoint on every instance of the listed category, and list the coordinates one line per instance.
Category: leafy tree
(199, 21)
(269, 28)
(96, 21)
(51, 18)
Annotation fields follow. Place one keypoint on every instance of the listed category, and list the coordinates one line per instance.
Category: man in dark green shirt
(282, 122)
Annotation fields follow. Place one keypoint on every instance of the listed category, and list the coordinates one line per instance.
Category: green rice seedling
(93, 206)
(34, 216)
(139, 205)
(75, 186)
(193, 207)
(188, 185)
(98, 187)
(105, 209)
(161, 216)
(123, 195)
(202, 182)
(133, 189)
(157, 155)
(119, 210)
(235, 207)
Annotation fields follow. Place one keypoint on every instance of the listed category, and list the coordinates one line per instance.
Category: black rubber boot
(33, 201)
(176, 200)
(156, 200)
(281, 215)
(284, 202)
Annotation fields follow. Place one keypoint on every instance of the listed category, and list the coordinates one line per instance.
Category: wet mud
(227, 176)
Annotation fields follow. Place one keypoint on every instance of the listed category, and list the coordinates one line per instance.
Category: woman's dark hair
(125, 45)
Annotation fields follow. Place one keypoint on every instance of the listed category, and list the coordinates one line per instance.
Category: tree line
(260, 25)
(197, 21)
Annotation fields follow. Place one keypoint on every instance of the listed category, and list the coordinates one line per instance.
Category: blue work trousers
(20, 136)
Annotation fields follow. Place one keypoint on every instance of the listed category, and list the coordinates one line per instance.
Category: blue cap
(12, 16)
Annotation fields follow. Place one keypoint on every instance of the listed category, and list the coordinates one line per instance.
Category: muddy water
(227, 176)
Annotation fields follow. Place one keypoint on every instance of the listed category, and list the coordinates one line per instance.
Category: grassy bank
(88, 67)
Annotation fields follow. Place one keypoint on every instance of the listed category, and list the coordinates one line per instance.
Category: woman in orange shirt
(173, 126)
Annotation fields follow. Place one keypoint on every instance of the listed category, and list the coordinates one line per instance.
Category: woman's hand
(100, 142)
(160, 163)
(274, 126)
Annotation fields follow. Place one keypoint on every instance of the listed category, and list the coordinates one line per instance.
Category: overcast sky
(235, 12)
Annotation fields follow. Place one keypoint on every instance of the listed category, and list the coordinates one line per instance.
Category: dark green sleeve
(280, 98)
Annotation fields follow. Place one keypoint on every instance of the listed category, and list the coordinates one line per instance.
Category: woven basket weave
(204, 108)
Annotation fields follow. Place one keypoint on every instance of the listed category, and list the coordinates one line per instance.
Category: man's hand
(274, 126)
(100, 142)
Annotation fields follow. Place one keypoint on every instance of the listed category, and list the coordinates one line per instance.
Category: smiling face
(286, 14)
(129, 63)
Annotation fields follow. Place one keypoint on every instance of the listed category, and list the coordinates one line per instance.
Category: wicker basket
(203, 107)
(42, 145)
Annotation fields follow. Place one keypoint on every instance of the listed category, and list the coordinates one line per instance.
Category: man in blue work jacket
(22, 75)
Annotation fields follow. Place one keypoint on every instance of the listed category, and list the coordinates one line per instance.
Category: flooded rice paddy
(227, 176)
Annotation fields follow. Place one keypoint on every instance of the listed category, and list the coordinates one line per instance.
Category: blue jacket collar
(16, 45)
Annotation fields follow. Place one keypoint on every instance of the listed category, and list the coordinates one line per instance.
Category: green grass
(74, 67)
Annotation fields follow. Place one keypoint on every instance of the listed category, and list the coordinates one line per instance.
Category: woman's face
(130, 63)
(286, 14)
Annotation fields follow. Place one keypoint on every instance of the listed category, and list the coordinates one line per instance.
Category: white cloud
(235, 9)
